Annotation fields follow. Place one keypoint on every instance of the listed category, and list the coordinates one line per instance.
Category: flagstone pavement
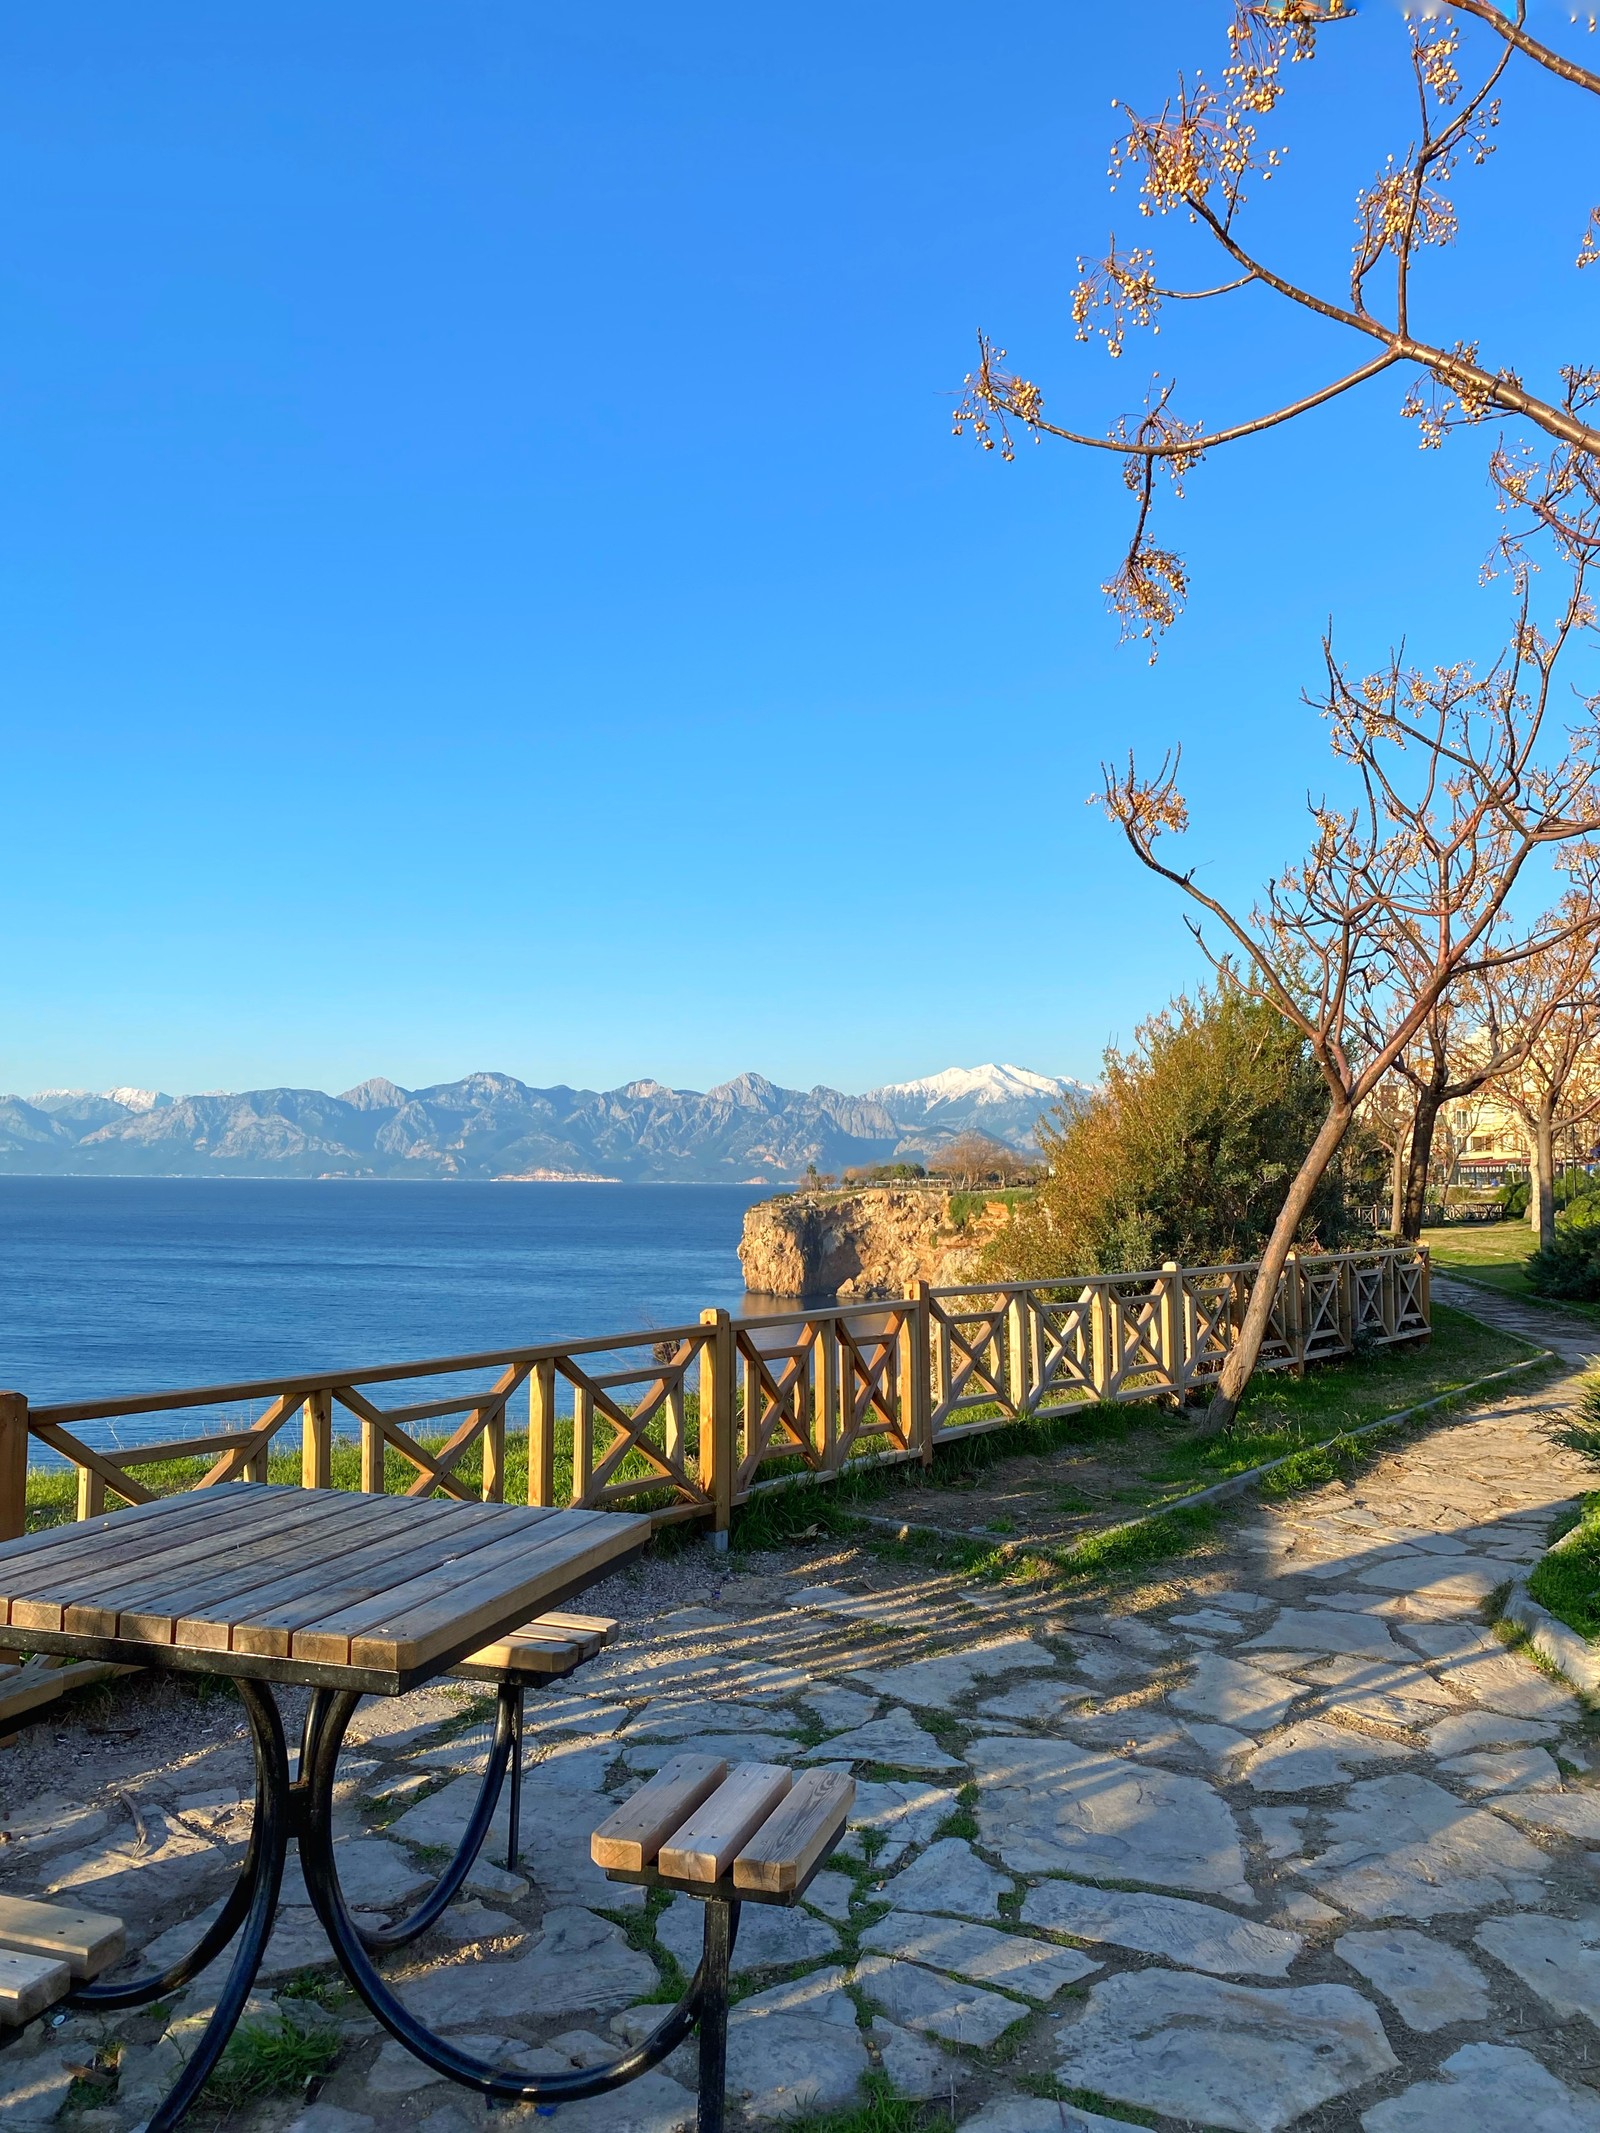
(1287, 1837)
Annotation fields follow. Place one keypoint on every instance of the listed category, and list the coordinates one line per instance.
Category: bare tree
(1458, 782)
(1200, 158)
(1388, 1115)
(976, 1159)
(1555, 1086)
(1465, 1042)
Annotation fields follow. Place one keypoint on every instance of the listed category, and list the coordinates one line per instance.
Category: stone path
(1288, 1838)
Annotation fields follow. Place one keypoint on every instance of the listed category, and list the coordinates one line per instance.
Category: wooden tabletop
(309, 1585)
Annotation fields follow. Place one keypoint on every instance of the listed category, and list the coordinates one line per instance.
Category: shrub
(1186, 1149)
(1569, 1266)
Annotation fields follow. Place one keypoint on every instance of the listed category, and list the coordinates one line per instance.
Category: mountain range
(746, 1131)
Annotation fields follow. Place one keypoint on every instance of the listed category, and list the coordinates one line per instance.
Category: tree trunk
(1397, 1185)
(1240, 1366)
(1543, 1204)
(1429, 1104)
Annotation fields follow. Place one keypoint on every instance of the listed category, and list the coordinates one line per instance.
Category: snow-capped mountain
(1005, 1102)
(494, 1126)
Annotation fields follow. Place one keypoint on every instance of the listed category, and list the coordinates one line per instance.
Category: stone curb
(1220, 1491)
(1571, 1655)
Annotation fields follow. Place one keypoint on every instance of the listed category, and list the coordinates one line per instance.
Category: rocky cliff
(870, 1244)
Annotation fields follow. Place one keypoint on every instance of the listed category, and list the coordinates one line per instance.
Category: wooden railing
(686, 1421)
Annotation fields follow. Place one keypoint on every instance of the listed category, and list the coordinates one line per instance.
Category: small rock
(835, 1709)
(832, 1894)
(916, 2069)
(1195, 1936)
(1211, 1621)
(1281, 1829)
(1249, 2057)
(922, 1999)
(951, 1877)
(1051, 1807)
(1558, 1958)
(1464, 1731)
(1515, 1769)
(1012, 1962)
(1300, 1630)
(941, 1684)
(1313, 1753)
(1235, 1694)
(1494, 2088)
(1432, 1985)
(769, 1935)
(895, 1739)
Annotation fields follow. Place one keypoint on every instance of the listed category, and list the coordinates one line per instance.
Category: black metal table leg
(355, 1959)
(514, 1820)
(505, 1752)
(721, 1925)
(254, 1900)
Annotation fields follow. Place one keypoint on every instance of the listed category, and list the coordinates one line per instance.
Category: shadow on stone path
(1287, 1837)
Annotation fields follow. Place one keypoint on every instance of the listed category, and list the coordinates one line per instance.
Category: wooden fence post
(1100, 1339)
(542, 1434)
(13, 1465)
(719, 1452)
(1173, 1353)
(494, 1456)
(372, 1458)
(91, 1493)
(1018, 1372)
(316, 1441)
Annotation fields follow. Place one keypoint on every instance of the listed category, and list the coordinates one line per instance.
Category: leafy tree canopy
(1186, 1149)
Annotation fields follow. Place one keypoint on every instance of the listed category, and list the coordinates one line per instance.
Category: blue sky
(485, 577)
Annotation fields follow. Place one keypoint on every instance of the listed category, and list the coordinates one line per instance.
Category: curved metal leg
(316, 1857)
(507, 1744)
(272, 1765)
(157, 1984)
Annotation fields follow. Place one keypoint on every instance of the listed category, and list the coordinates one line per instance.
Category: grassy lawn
(1568, 1579)
(1495, 1253)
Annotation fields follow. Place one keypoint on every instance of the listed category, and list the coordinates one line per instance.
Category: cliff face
(860, 1245)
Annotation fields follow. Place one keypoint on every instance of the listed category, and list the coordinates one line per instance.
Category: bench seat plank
(702, 1849)
(630, 1839)
(28, 1985)
(86, 1941)
(779, 1857)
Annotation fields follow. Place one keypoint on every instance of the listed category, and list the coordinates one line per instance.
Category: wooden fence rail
(688, 1421)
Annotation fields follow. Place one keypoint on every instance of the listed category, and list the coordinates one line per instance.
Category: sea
(121, 1286)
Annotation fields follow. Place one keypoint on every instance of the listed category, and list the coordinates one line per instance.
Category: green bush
(1569, 1265)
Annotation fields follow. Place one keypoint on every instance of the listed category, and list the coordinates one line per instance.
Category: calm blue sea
(126, 1285)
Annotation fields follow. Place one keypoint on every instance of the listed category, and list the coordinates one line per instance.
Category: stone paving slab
(1197, 1936)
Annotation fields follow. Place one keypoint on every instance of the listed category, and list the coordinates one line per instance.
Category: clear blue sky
(485, 577)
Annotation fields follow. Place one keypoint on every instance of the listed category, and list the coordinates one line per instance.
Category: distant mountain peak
(980, 1084)
(137, 1099)
(378, 1094)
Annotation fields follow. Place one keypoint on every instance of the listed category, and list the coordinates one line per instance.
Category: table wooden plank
(208, 1553)
(478, 1608)
(502, 1557)
(267, 1627)
(35, 1564)
(362, 1554)
(58, 1587)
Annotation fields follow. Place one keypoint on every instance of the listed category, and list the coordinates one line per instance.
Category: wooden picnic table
(349, 1595)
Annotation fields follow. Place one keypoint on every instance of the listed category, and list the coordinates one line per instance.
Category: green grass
(270, 2059)
(52, 1494)
(1496, 1254)
(879, 2111)
(1567, 1581)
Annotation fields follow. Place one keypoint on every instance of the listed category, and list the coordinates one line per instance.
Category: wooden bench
(46, 1949)
(546, 1649)
(754, 1833)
